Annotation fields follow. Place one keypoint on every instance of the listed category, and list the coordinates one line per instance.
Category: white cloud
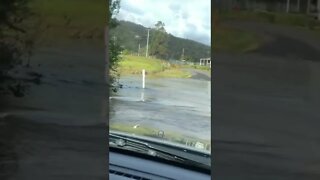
(190, 19)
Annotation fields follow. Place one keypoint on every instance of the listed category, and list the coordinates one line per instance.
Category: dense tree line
(129, 35)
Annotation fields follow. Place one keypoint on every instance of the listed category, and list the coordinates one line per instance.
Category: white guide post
(143, 78)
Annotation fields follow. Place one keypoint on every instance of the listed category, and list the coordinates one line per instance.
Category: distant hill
(129, 35)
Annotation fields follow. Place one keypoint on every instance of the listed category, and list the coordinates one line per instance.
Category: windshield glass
(160, 69)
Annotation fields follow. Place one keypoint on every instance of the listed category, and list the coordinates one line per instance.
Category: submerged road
(266, 105)
(58, 130)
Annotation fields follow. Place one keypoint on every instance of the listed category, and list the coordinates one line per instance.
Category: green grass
(227, 39)
(233, 40)
(63, 20)
(172, 73)
(290, 19)
(152, 132)
(83, 12)
(204, 68)
(154, 67)
(134, 64)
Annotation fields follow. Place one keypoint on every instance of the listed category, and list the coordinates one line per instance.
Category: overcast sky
(190, 19)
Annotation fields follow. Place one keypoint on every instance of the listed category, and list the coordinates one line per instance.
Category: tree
(13, 14)
(159, 41)
(114, 50)
(114, 7)
(188, 58)
(160, 26)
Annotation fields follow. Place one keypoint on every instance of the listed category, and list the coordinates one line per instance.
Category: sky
(189, 19)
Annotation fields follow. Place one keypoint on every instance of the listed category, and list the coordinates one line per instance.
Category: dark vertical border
(106, 39)
(214, 7)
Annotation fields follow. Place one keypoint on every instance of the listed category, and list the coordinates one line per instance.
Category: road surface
(266, 105)
(199, 74)
(58, 130)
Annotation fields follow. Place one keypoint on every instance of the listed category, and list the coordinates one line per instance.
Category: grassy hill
(233, 40)
(126, 33)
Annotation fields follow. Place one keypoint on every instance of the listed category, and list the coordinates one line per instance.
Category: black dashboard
(127, 167)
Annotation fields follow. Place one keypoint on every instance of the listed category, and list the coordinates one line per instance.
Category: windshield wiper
(155, 150)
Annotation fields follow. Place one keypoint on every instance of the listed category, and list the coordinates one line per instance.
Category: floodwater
(58, 129)
(175, 105)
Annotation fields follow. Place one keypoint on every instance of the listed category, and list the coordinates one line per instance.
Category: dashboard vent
(131, 176)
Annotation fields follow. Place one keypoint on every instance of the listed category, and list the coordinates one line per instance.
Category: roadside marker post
(143, 78)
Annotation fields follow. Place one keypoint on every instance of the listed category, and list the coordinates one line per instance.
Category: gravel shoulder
(199, 74)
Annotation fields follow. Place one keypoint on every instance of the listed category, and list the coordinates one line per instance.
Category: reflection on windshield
(161, 81)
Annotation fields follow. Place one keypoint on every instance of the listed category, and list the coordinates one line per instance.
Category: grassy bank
(289, 19)
(203, 68)
(61, 20)
(233, 40)
(154, 67)
(153, 132)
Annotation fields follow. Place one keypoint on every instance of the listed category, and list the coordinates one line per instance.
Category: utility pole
(138, 38)
(288, 6)
(147, 43)
(182, 56)
(298, 5)
(308, 6)
(318, 9)
(114, 40)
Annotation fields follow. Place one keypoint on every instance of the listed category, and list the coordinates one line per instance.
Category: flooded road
(58, 129)
(176, 105)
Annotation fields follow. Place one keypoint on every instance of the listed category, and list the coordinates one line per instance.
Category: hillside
(126, 35)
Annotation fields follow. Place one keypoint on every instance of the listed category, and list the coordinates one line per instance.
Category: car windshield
(161, 71)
